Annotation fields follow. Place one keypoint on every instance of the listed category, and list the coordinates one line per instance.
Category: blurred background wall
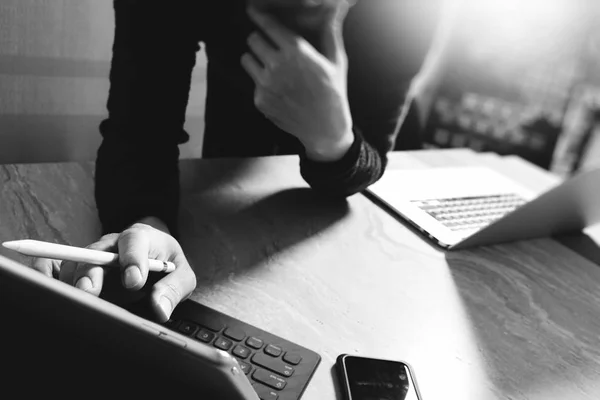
(521, 77)
(54, 65)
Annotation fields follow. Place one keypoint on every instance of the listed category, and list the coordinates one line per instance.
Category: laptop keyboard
(277, 369)
(470, 213)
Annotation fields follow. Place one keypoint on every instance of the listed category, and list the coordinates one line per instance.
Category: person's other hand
(135, 246)
(301, 90)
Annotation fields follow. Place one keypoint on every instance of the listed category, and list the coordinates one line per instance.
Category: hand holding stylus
(134, 249)
(36, 248)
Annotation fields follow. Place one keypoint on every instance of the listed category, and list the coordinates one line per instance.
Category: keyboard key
(241, 351)
(223, 344)
(292, 358)
(253, 342)
(246, 368)
(274, 385)
(210, 323)
(273, 350)
(205, 335)
(468, 213)
(264, 393)
(234, 334)
(269, 379)
(272, 364)
(187, 328)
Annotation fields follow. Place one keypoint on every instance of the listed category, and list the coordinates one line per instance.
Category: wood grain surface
(512, 321)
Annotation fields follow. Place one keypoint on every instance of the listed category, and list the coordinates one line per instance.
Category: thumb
(172, 289)
(333, 40)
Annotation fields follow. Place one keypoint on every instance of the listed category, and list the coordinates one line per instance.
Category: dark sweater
(154, 53)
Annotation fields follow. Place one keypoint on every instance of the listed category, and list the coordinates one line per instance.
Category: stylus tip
(12, 245)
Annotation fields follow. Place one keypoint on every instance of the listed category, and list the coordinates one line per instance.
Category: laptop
(462, 207)
(58, 339)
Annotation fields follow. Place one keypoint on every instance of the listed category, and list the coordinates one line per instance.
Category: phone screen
(375, 379)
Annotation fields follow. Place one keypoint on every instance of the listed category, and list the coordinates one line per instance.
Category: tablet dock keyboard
(277, 368)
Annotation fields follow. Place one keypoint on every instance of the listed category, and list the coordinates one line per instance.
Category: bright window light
(518, 20)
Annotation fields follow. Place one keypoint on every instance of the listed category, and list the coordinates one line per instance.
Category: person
(324, 79)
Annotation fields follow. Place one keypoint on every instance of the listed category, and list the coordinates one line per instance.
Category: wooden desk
(512, 321)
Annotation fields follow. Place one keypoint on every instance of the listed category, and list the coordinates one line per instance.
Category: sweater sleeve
(362, 165)
(137, 163)
(384, 55)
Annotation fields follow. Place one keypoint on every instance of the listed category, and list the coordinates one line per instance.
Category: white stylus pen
(36, 248)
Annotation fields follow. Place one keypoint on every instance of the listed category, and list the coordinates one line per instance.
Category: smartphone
(364, 378)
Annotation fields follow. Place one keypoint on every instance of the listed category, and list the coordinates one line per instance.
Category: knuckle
(135, 230)
(128, 256)
(138, 227)
(193, 282)
(259, 100)
(109, 236)
(128, 234)
(94, 246)
(263, 104)
(99, 245)
(104, 242)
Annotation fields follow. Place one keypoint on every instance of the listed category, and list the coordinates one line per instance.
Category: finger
(46, 266)
(172, 289)
(281, 36)
(90, 278)
(263, 51)
(253, 68)
(333, 39)
(106, 243)
(338, 11)
(134, 249)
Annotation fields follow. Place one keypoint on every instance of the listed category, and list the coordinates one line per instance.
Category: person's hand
(135, 246)
(301, 90)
